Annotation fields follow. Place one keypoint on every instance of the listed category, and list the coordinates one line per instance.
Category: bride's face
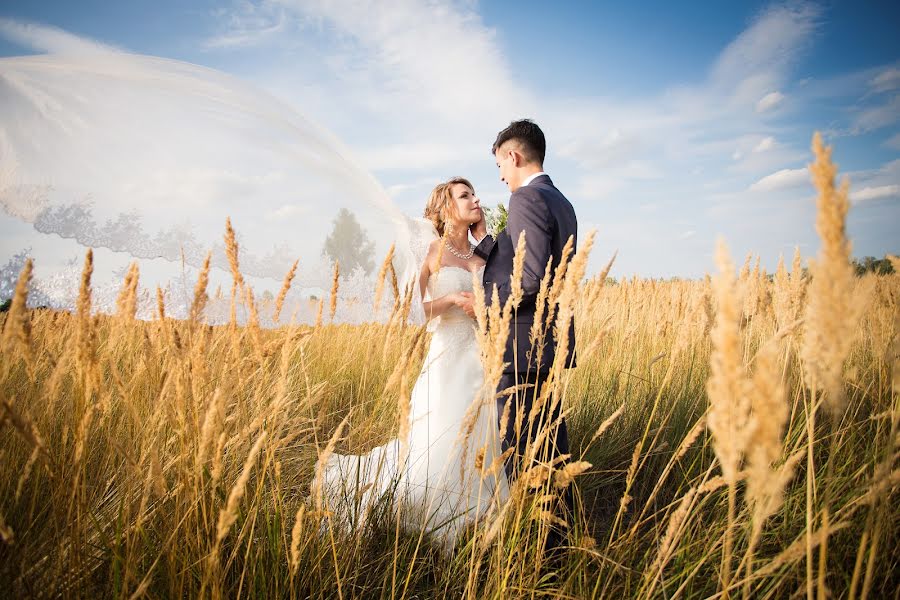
(465, 205)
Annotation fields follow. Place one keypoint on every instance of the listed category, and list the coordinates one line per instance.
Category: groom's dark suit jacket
(548, 219)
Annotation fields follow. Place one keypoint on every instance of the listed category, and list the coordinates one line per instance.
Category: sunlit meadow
(731, 437)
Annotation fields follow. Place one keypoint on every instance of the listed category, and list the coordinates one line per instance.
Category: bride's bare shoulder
(433, 255)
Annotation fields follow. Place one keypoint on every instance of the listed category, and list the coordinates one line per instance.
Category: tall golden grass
(174, 459)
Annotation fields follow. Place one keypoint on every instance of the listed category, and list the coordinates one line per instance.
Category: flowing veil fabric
(140, 157)
(143, 158)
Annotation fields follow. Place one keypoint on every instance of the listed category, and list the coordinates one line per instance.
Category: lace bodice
(454, 326)
(449, 280)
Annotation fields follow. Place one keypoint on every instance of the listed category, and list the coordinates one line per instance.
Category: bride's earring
(449, 228)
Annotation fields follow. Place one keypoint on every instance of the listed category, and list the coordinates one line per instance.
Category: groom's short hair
(530, 138)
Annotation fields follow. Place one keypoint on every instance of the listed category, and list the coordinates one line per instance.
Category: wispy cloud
(879, 116)
(52, 40)
(893, 142)
(426, 79)
(887, 80)
(876, 184)
(765, 144)
(783, 179)
(249, 24)
(876, 193)
(430, 85)
(769, 101)
(767, 49)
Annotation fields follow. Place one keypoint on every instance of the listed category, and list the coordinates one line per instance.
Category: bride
(445, 481)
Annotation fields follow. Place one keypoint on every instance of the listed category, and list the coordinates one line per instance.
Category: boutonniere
(495, 219)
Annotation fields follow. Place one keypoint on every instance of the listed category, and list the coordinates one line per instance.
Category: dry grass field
(733, 437)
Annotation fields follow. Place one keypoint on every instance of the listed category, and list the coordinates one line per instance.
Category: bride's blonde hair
(439, 202)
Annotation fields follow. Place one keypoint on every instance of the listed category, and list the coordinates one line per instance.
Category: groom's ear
(517, 159)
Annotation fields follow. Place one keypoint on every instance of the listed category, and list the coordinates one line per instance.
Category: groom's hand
(467, 303)
(479, 229)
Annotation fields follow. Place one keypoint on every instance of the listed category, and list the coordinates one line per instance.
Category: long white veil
(144, 158)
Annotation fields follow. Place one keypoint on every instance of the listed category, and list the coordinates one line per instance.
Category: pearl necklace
(457, 253)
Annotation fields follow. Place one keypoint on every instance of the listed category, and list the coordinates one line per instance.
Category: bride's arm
(435, 307)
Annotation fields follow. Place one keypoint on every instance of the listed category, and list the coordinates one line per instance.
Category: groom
(548, 220)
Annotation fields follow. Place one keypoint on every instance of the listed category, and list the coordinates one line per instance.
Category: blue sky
(667, 125)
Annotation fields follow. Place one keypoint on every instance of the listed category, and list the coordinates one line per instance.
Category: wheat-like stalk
(319, 313)
(335, 282)
(606, 424)
(833, 310)
(729, 402)
(515, 295)
(215, 415)
(229, 514)
(318, 480)
(283, 292)
(386, 265)
(6, 532)
(727, 385)
(673, 533)
(126, 302)
(765, 480)
(200, 295)
(85, 336)
(565, 476)
(231, 251)
(296, 533)
(17, 327)
(538, 329)
(160, 304)
(253, 325)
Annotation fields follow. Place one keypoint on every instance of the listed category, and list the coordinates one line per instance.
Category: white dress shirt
(531, 178)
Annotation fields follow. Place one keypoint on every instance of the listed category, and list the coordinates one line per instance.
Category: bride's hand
(466, 301)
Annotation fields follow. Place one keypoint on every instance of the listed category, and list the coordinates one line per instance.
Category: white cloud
(413, 73)
(769, 101)
(597, 187)
(783, 179)
(887, 80)
(249, 25)
(765, 144)
(875, 193)
(876, 184)
(893, 142)
(879, 116)
(611, 148)
(50, 39)
(761, 55)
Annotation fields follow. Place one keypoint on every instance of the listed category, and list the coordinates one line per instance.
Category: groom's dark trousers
(548, 220)
(522, 427)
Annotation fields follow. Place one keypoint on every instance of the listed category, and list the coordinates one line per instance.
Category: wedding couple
(454, 470)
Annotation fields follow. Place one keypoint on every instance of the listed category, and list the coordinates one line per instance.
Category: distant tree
(870, 264)
(349, 244)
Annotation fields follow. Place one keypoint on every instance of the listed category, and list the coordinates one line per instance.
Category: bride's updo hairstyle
(441, 201)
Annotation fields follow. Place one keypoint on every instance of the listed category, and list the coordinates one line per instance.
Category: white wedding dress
(446, 480)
